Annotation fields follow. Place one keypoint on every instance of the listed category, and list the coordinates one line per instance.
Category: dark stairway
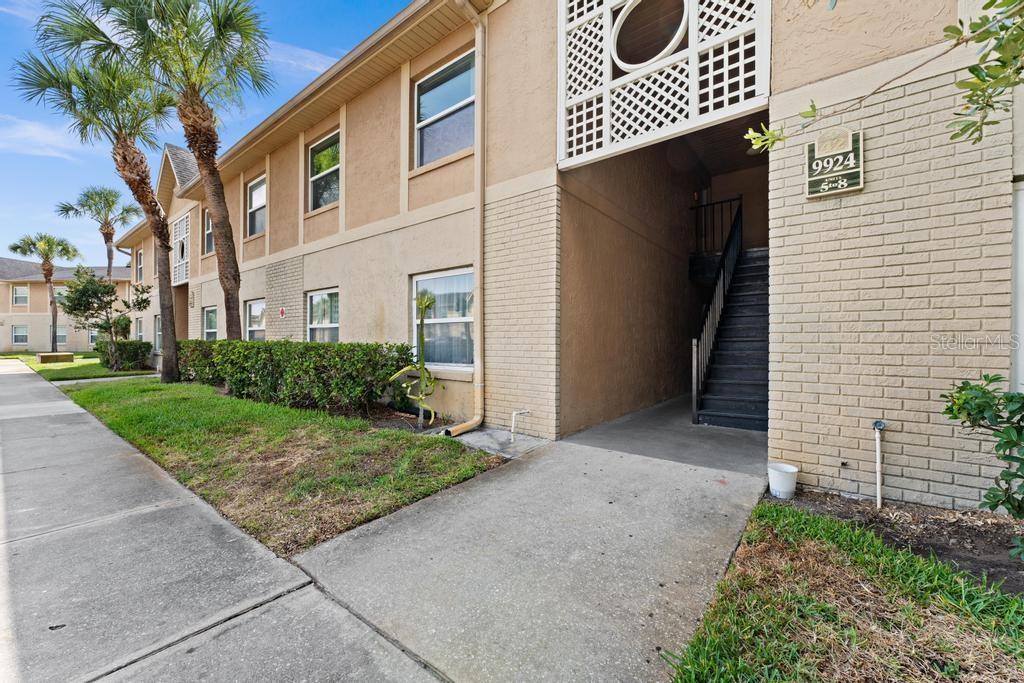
(736, 389)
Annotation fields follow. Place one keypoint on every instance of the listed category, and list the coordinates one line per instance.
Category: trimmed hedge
(334, 377)
(133, 354)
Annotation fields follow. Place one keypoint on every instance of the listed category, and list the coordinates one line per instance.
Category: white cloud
(298, 58)
(28, 10)
(32, 138)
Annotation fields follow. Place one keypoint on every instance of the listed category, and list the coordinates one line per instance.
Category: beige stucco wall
(627, 306)
(372, 153)
(810, 43)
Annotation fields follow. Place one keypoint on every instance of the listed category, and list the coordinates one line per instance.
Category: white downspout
(479, 22)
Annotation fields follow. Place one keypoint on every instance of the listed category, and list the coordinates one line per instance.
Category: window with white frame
(158, 334)
(94, 336)
(256, 207)
(19, 334)
(448, 324)
(207, 232)
(138, 329)
(62, 334)
(19, 296)
(256, 320)
(322, 315)
(324, 172)
(138, 265)
(210, 323)
(59, 293)
(445, 110)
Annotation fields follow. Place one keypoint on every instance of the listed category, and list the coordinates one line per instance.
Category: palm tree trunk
(134, 170)
(48, 276)
(200, 127)
(108, 240)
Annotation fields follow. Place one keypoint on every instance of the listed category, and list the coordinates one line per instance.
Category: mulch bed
(975, 541)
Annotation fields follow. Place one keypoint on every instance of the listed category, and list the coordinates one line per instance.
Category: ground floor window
(255, 320)
(210, 323)
(19, 334)
(138, 329)
(158, 334)
(322, 317)
(448, 325)
(93, 337)
(62, 334)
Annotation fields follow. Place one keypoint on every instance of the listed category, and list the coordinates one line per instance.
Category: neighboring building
(562, 175)
(25, 307)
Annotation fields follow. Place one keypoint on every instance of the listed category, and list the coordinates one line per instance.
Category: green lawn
(292, 478)
(811, 598)
(86, 366)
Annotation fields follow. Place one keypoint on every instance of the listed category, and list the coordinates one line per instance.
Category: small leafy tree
(986, 407)
(94, 303)
(421, 387)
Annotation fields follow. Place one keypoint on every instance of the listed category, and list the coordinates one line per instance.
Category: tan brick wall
(284, 290)
(881, 299)
(521, 259)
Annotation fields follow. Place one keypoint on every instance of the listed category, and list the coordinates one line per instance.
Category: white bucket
(782, 479)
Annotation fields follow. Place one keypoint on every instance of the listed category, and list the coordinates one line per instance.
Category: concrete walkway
(573, 562)
(111, 567)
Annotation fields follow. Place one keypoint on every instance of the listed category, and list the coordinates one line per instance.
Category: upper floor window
(138, 265)
(322, 317)
(445, 110)
(20, 295)
(448, 324)
(207, 232)
(210, 323)
(324, 172)
(256, 223)
(255, 320)
(59, 293)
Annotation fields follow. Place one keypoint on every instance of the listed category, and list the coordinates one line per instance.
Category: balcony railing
(715, 67)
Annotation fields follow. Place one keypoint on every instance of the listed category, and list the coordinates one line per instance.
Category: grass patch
(812, 598)
(292, 478)
(86, 366)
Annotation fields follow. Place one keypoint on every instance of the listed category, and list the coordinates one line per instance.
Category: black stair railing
(714, 223)
(703, 343)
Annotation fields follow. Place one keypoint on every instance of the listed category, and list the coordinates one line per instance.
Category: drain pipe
(878, 427)
(479, 22)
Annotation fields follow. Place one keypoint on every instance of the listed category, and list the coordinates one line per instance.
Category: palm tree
(47, 248)
(113, 102)
(102, 204)
(205, 52)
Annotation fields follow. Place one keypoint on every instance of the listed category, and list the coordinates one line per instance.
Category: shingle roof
(15, 269)
(28, 271)
(182, 163)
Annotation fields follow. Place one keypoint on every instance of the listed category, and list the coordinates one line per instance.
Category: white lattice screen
(715, 68)
(180, 250)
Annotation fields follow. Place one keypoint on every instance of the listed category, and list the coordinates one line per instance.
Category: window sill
(253, 238)
(207, 255)
(450, 373)
(443, 161)
(322, 209)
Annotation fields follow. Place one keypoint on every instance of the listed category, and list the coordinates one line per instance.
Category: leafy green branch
(420, 381)
(999, 69)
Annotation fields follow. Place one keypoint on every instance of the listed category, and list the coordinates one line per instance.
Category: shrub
(131, 354)
(334, 377)
(195, 361)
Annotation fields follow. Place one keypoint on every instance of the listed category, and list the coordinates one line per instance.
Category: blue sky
(41, 164)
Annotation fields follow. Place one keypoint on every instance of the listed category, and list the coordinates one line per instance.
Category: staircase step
(726, 372)
(744, 388)
(748, 288)
(737, 309)
(736, 421)
(732, 357)
(740, 405)
(745, 319)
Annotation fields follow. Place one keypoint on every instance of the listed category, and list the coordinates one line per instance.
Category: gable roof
(16, 269)
(183, 163)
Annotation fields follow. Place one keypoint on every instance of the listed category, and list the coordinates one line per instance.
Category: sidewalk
(110, 566)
